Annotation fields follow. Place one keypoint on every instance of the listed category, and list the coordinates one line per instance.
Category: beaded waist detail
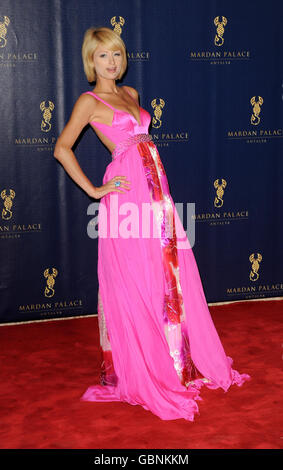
(124, 144)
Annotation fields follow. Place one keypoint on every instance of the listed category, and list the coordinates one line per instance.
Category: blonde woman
(158, 340)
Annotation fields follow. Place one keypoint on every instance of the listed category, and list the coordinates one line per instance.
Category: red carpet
(46, 366)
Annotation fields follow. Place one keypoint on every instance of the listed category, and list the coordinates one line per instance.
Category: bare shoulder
(80, 117)
(83, 108)
(85, 102)
(133, 92)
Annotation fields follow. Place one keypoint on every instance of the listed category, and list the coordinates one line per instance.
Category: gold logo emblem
(255, 266)
(8, 202)
(117, 25)
(50, 281)
(255, 119)
(219, 40)
(45, 123)
(3, 31)
(156, 121)
(218, 200)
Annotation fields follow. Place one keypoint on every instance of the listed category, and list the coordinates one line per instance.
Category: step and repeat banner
(210, 73)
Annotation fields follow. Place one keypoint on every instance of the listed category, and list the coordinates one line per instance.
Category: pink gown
(158, 342)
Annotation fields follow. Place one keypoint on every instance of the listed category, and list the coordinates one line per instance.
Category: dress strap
(98, 98)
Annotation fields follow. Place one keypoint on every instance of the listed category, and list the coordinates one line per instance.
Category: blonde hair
(94, 37)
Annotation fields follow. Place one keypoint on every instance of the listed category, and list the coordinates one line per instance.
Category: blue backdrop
(210, 73)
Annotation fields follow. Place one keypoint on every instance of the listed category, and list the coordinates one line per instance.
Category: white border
(95, 314)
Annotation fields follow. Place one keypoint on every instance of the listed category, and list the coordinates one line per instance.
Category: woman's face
(107, 63)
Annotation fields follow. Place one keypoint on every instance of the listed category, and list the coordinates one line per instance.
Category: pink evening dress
(158, 342)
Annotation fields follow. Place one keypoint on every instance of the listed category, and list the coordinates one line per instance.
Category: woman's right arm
(81, 113)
